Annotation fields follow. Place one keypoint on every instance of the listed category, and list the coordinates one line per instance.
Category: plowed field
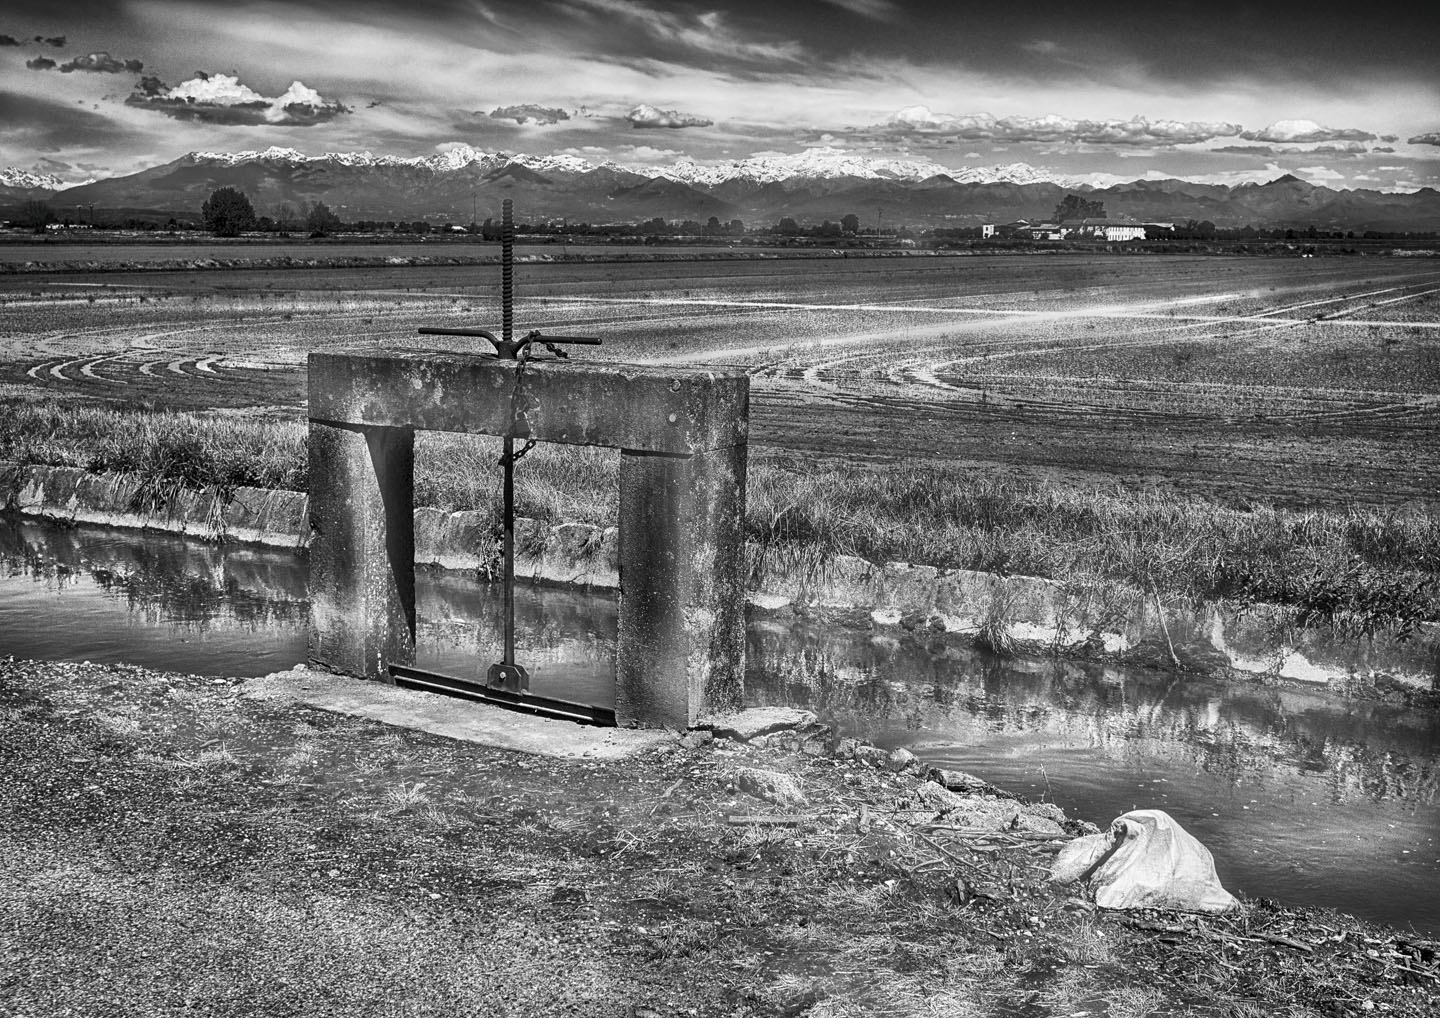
(1296, 381)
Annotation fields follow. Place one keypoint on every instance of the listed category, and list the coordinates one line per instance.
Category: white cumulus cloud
(1306, 130)
(1050, 128)
(224, 99)
(645, 115)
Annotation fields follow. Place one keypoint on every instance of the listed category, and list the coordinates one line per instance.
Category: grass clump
(193, 449)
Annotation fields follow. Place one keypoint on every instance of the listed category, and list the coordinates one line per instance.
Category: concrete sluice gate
(682, 439)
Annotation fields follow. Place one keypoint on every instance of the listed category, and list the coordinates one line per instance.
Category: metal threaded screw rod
(507, 269)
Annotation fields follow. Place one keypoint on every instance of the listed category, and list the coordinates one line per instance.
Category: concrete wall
(1043, 616)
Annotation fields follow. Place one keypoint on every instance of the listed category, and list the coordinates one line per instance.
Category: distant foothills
(817, 190)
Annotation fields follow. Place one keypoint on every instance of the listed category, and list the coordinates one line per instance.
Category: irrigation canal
(1302, 795)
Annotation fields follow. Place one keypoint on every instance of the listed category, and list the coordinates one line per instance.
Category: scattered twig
(766, 818)
(1164, 628)
(666, 794)
(947, 853)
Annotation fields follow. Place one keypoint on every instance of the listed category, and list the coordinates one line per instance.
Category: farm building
(1104, 229)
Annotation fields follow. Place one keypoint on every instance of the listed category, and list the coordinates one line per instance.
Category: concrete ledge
(453, 718)
(678, 411)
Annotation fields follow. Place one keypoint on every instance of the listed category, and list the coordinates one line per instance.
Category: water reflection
(1302, 795)
(163, 601)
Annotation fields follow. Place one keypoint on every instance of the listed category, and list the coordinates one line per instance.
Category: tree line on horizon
(228, 212)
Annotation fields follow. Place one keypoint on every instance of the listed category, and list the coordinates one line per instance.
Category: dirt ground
(173, 846)
(1302, 382)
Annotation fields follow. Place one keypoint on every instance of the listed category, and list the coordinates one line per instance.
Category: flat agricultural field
(1294, 381)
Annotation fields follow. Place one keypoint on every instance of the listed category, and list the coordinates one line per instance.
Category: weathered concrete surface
(74, 495)
(623, 406)
(455, 719)
(681, 643)
(362, 557)
(753, 722)
(682, 586)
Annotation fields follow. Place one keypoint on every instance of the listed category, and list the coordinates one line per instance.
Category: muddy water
(1302, 795)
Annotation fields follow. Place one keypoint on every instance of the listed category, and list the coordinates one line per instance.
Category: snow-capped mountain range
(818, 184)
(812, 164)
(24, 180)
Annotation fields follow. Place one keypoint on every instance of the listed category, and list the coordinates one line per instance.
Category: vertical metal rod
(507, 297)
(507, 270)
(509, 551)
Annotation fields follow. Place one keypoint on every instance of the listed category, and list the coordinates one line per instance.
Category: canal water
(1302, 795)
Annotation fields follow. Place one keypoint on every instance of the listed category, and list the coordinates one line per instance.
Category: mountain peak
(13, 176)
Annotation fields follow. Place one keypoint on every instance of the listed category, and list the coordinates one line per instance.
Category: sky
(1346, 95)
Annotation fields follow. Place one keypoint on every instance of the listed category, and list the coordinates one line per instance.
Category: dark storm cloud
(1342, 150)
(1284, 41)
(102, 63)
(530, 113)
(51, 126)
(40, 64)
(1431, 138)
(646, 115)
(58, 41)
(303, 114)
(249, 114)
(9, 40)
(641, 34)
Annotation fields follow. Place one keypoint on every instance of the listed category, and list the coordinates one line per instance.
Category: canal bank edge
(1100, 620)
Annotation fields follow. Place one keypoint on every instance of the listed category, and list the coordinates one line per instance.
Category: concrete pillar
(362, 555)
(681, 642)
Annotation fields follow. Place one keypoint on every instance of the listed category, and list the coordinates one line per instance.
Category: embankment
(1099, 620)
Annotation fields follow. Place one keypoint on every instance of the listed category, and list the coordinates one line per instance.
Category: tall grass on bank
(557, 484)
(1358, 570)
(193, 449)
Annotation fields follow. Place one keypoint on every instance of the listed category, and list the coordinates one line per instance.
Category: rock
(937, 797)
(1032, 824)
(901, 760)
(1047, 810)
(747, 724)
(959, 781)
(872, 755)
(772, 786)
(986, 814)
(696, 739)
(846, 749)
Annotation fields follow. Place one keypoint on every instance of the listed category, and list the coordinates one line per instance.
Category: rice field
(1295, 382)
(1216, 426)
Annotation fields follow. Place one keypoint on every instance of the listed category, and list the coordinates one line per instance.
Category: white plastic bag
(1145, 860)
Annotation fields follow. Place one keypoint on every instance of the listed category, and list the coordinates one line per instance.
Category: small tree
(35, 215)
(321, 221)
(287, 221)
(227, 212)
(1076, 207)
(850, 223)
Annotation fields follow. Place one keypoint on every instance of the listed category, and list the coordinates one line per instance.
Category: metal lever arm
(515, 349)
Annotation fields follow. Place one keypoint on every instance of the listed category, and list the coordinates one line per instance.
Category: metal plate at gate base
(526, 703)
